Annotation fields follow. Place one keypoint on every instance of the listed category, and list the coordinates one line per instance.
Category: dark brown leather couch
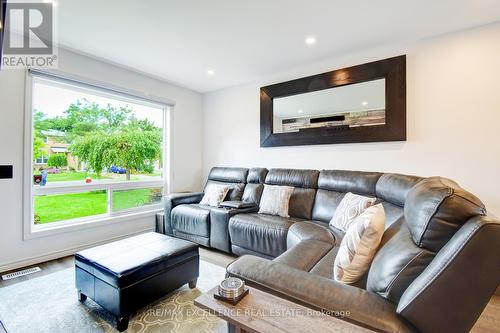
(436, 269)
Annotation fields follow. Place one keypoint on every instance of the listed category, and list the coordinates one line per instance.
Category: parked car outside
(115, 169)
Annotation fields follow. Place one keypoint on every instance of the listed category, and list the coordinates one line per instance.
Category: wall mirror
(364, 103)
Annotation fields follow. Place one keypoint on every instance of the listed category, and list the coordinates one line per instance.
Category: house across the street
(55, 143)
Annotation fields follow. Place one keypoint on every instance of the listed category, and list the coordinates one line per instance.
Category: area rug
(49, 304)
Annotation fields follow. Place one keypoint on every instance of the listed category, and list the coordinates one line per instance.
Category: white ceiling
(243, 40)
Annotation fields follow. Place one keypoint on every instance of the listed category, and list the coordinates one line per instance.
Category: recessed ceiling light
(310, 40)
(364, 103)
(299, 111)
(210, 72)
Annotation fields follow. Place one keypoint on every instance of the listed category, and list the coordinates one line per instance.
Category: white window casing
(30, 230)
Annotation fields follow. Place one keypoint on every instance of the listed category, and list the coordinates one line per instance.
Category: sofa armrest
(176, 199)
(358, 305)
(184, 198)
(219, 226)
(237, 204)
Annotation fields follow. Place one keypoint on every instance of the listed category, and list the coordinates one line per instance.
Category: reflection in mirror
(354, 105)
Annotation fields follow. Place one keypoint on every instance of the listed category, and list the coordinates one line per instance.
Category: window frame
(42, 158)
(31, 230)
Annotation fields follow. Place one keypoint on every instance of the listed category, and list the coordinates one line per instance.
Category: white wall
(453, 118)
(187, 157)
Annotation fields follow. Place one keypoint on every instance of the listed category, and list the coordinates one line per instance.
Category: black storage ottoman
(128, 274)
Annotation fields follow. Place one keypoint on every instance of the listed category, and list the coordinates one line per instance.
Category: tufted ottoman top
(130, 260)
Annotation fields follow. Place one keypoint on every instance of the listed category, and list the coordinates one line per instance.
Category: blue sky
(53, 100)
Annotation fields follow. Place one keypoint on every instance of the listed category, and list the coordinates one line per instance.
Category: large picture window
(93, 153)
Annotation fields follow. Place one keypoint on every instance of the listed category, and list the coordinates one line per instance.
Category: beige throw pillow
(214, 195)
(359, 245)
(351, 206)
(275, 200)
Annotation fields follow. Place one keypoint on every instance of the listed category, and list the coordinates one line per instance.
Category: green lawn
(81, 175)
(135, 198)
(58, 207)
(71, 176)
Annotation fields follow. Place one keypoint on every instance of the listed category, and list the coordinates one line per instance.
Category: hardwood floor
(488, 322)
(490, 318)
(47, 268)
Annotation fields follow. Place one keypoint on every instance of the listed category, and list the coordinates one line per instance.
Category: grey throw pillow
(214, 195)
(275, 200)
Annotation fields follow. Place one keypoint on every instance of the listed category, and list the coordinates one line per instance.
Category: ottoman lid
(127, 261)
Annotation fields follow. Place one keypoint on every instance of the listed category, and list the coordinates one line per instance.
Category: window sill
(37, 231)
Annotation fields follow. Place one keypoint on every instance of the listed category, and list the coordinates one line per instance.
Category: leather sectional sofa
(435, 270)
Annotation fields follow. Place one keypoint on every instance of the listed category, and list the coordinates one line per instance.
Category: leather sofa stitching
(450, 193)
(444, 265)
(482, 206)
(267, 227)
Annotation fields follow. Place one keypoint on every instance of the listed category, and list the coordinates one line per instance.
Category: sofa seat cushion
(192, 219)
(260, 232)
(304, 255)
(127, 261)
(302, 231)
(324, 267)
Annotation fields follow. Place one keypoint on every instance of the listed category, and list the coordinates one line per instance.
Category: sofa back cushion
(325, 204)
(397, 263)
(436, 208)
(358, 182)
(392, 213)
(254, 186)
(235, 178)
(334, 184)
(394, 188)
(305, 183)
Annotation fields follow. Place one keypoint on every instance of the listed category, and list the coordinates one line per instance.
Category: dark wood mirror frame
(394, 72)
(3, 10)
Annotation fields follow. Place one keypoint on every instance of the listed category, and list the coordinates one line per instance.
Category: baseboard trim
(63, 253)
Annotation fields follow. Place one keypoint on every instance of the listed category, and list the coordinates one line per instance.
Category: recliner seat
(265, 234)
(259, 233)
(192, 222)
(186, 218)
